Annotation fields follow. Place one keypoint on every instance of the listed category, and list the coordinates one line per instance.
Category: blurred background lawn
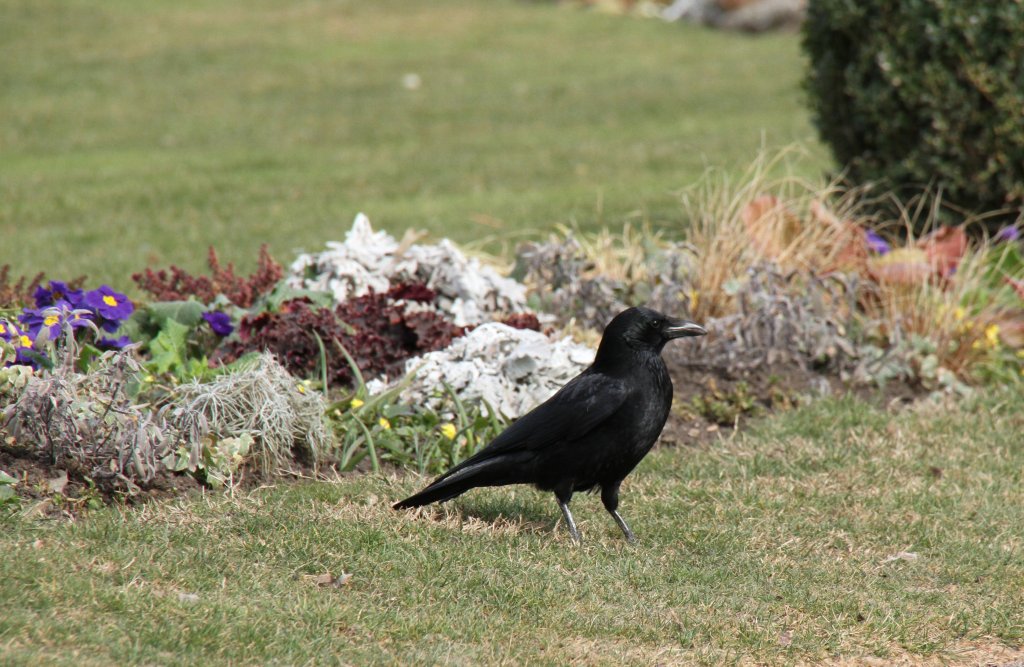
(137, 133)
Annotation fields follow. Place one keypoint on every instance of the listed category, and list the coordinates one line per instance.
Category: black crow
(591, 433)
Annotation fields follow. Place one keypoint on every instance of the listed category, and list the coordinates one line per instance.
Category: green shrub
(917, 93)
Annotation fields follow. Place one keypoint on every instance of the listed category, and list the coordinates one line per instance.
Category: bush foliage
(380, 331)
(917, 93)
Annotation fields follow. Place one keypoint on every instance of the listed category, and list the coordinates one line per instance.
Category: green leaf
(189, 313)
(40, 359)
(168, 350)
(283, 292)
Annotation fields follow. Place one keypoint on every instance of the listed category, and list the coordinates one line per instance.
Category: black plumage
(590, 434)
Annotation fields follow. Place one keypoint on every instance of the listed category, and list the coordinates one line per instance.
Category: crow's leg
(563, 498)
(610, 498)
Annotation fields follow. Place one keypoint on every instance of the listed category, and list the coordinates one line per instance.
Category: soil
(709, 404)
(745, 395)
(51, 490)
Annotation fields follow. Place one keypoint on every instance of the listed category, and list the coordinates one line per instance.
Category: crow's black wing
(587, 401)
(580, 406)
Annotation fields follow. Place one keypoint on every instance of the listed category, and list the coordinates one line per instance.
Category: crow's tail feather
(496, 471)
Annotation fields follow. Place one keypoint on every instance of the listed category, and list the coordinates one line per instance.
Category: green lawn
(137, 133)
(835, 531)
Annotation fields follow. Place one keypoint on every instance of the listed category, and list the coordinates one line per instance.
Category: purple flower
(53, 318)
(219, 322)
(876, 243)
(55, 292)
(112, 307)
(7, 330)
(37, 319)
(77, 317)
(1007, 234)
(22, 343)
(114, 343)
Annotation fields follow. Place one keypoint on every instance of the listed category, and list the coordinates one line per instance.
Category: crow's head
(642, 328)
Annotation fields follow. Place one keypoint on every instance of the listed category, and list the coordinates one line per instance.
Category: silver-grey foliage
(567, 284)
(467, 290)
(780, 317)
(501, 368)
(88, 421)
(793, 317)
(264, 401)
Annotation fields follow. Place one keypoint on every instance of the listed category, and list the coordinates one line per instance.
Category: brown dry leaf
(1011, 330)
(58, 483)
(944, 247)
(1017, 285)
(785, 638)
(328, 580)
(849, 240)
(903, 266)
(771, 227)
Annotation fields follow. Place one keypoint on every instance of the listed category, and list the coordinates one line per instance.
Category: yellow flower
(356, 403)
(1020, 354)
(959, 314)
(384, 423)
(449, 430)
(22, 341)
(694, 300)
(992, 335)
(301, 387)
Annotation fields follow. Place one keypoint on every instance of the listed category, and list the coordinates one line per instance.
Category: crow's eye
(656, 324)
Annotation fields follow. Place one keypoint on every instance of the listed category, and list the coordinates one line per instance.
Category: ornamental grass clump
(732, 226)
(282, 415)
(780, 268)
(969, 322)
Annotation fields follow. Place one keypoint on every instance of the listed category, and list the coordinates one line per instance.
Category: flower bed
(386, 351)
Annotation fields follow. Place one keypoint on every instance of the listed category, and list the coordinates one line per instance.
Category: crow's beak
(682, 329)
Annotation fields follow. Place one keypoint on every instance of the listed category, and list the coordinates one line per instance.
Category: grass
(834, 532)
(136, 134)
